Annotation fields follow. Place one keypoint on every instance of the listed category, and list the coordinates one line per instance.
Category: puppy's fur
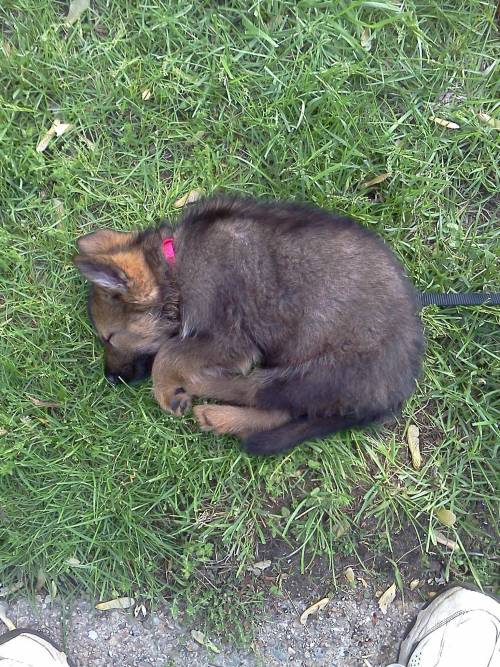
(301, 321)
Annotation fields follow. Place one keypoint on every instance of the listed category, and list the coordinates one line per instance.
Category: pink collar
(167, 247)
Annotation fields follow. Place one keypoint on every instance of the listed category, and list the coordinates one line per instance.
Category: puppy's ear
(103, 240)
(103, 273)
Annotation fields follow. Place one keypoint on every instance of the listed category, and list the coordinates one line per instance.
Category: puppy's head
(126, 302)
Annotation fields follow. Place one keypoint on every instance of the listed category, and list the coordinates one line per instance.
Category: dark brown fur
(303, 318)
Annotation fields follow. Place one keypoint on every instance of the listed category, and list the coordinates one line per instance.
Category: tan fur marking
(142, 282)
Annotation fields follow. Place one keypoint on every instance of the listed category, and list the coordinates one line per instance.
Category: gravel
(349, 632)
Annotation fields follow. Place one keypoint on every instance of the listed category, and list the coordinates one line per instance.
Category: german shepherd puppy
(301, 322)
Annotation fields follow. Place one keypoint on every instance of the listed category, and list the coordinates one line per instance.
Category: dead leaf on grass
(446, 517)
(366, 39)
(489, 120)
(313, 609)
(414, 584)
(376, 180)
(387, 598)
(117, 603)
(189, 198)
(449, 124)
(414, 446)
(76, 9)
(57, 129)
(200, 638)
(146, 95)
(445, 541)
(43, 404)
(72, 562)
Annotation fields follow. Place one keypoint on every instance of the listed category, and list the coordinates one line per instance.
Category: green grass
(274, 98)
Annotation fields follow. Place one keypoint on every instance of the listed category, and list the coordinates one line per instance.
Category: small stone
(93, 635)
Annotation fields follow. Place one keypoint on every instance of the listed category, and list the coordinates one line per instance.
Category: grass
(274, 98)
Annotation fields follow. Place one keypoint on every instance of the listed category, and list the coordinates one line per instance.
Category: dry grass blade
(450, 125)
(313, 609)
(445, 541)
(43, 404)
(489, 120)
(375, 180)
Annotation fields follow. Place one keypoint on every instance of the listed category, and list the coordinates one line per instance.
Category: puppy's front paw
(173, 399)
(180, 402)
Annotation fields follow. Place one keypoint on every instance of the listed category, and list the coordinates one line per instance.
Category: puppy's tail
(283, 438)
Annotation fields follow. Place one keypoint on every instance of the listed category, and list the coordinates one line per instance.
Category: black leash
(459, 299)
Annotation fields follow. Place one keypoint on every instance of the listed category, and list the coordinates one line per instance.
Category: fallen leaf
(4, 618)
(445, 541)
(414, 583)
(43, 404)
(450, 125)
(363, 582)
(260, 566)
(76, 9)
(387, 598)
(366, 39)
(446, 517)
(375, 180)
(188, 198)
(61, 128)
(146, 95)
(117, 603)
(140, 609)
(57, 128)
(414, 446)
(72, 562)
(313, 609)
(349, 575)
(9, 590)
(489, 120)
(431, 594)
(200, 638)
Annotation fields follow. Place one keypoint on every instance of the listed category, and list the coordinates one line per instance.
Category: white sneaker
(460, 628)
(26, 648)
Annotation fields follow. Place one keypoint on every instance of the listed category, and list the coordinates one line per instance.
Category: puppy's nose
(111, 377)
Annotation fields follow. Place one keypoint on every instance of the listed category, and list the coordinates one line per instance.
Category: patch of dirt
(349, 632)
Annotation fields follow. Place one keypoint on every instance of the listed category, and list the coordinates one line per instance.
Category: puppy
(300, 322)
